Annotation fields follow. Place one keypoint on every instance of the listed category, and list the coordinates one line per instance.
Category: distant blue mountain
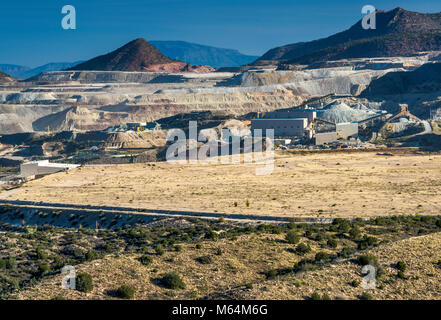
(193, 53)
(23, 72)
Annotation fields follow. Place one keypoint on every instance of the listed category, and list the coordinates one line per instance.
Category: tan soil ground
(361, 184)
(237, 272)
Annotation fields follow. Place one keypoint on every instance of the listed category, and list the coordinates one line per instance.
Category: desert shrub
(332, 243)
(126, 292)
(198, 246)
(355, 283)
(366, 259)
(401, 266)
(41, 254)
(355, 233)
(11, 263)
(303, 249)
(304, 265)
(292, 237)
(42, 270)
(366, 296)
(178, 248)
(341, 225)
(205, 260)
(321, 256)
(91, 255)
(346, 252)
(274, 273)
(219, 252)
(401, 275)
(326, 297)
(210, 235)
(292, 225)
(173, 281)
(315, 296)
(84, 282)
(145, 260)
(367, 242)
(159, 250)
(320, 236)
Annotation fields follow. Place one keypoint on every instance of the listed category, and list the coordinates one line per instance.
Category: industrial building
(43, 167)
(347, 130)
(294, 123)
(282, 127)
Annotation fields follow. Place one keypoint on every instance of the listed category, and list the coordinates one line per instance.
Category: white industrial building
(293, 123)
(43, 167)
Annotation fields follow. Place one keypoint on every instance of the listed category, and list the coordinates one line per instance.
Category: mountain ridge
(396, 21)
(199, 54)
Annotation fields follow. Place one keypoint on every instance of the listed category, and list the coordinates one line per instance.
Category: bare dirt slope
(361, 184)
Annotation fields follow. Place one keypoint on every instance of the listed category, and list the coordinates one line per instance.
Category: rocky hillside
(4, 78)
(407, 26)
(137, 55)
(425, 79)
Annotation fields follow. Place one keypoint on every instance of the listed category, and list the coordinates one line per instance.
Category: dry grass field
(361, 184)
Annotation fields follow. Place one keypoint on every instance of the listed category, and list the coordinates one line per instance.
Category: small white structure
(43, 167)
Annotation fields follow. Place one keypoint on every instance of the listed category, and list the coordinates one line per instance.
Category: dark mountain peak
(133, 56)
(394, 22)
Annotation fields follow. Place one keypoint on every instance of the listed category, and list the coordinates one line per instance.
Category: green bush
(355, 233)
(346, 252)
(355, 283)
(366, 296)
(401, 266)
(145, 260)
(367, 242)
(302, 249)
(205, 260)
(91, 255)
(2, 264)
(332, 243)
(41, 254)
(11, 263)
(126, 292)
(315, 296)
(159, 250)
(84, 282)
(319, 256)
(367, 259)
(326, 297)
(173, 281)
(42, 270)
(401, 275)
(292, 237)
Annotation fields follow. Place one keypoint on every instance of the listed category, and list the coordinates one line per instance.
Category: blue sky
(31, 32)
